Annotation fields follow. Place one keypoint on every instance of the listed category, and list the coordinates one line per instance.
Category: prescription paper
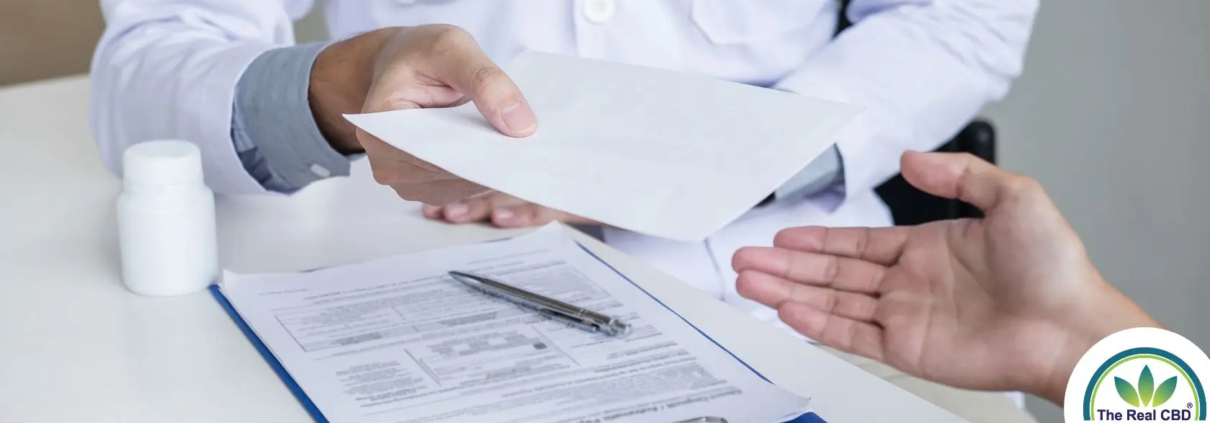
(658, 152)
(397, 340)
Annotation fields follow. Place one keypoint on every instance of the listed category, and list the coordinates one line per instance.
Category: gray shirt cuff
(823, 173)
(272, 127)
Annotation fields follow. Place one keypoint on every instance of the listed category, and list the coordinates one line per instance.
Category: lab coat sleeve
(922, 68)
(168, 69)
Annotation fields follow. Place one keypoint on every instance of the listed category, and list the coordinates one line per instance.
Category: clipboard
(319, 417)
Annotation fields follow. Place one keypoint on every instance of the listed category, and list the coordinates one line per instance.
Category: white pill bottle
(166, 227)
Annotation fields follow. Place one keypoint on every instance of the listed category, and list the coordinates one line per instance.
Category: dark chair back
(910, 206)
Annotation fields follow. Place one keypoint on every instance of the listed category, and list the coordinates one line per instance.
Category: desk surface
(76, 346)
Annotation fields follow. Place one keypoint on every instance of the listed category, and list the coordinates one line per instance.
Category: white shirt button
(598, 11)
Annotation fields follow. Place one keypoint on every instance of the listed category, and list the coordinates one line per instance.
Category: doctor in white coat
(227, 75)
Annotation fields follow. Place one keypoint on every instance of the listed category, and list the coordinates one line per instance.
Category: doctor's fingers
(529, 214)
(455, 59)
(776, 292)
(473, 209)
(438, 192)
(501, 210)
(413, 179)
(393, 166)
(801, 267)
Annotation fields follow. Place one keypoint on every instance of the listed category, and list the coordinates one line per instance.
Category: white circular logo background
(1139, 374)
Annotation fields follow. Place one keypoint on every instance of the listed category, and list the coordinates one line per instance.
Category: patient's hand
(1008, 302)
(501, 210)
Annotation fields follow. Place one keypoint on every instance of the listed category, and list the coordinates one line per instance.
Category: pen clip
(704, 419)
(578, 322)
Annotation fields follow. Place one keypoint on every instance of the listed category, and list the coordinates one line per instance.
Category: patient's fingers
(811, 268)
(841, 333)
(774, 292)
(878, 245)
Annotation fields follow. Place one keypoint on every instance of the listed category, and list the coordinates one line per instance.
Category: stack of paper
(397, 340)
(658, 152)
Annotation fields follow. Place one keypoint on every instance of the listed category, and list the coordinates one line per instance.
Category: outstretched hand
(1007, 302)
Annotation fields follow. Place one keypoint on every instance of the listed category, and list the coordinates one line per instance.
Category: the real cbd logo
(1144, 395)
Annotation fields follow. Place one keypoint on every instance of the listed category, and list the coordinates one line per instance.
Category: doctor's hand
(1007, 302)
(501, 210)
(406, 68)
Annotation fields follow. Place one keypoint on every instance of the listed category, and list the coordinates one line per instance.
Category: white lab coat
(168, 68)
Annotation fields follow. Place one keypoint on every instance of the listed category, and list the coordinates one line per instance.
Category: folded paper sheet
(654, 151)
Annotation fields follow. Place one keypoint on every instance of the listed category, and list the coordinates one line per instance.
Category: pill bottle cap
(161, 164)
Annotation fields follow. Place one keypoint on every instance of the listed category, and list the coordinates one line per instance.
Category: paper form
(397, 340)
(658, 152)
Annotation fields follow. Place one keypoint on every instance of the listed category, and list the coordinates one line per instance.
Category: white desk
(75, 346)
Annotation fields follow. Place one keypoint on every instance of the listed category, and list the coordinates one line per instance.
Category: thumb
(467, 69)
(961, 176)
(500, 101)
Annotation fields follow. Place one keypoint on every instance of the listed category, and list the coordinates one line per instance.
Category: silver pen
(551, 308)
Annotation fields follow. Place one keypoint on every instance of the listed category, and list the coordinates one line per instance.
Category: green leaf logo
(1126, 391)
(1146, 386)
(1164, 392)
(1147, 394)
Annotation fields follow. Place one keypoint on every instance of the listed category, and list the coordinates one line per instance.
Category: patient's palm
(977, 297)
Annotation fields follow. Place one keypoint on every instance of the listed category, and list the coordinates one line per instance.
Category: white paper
(397, 340)
(663, 153)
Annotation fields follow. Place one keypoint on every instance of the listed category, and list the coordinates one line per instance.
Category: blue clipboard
(319, 417)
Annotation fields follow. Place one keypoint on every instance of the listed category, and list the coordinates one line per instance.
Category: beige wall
(46, 38)
(42, 39)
